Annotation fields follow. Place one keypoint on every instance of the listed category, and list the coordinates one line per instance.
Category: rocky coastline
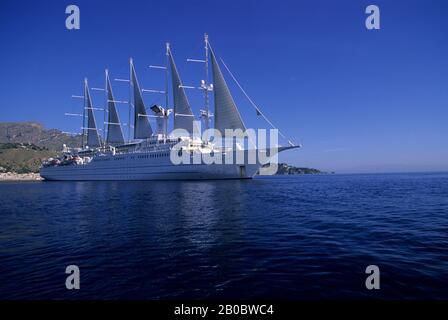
(12, 176)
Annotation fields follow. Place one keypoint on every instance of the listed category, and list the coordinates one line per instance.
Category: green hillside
(24, 145)
(22, 157)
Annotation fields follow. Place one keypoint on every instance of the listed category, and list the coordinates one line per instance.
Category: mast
(106, 92)
(207, 114)
(167, 62)
(165, 118)
(162, 113)
(84, 133)
(129, 100)
(204, 114)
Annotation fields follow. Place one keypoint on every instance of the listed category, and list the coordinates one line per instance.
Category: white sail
(142, 128)
(226, 112)
(183, 116)
(93, 138)
(114, 131)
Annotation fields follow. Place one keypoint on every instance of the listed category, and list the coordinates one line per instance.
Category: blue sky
(358, 100)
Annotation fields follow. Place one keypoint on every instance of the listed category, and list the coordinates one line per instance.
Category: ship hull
(147, 169)
(185, 172)
(143, 166)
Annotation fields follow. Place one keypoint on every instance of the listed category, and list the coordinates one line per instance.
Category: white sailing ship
(149, 155)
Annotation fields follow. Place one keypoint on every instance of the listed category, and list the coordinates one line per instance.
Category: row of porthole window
(155, 155)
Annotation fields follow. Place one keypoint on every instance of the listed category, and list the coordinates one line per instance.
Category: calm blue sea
(298, 237)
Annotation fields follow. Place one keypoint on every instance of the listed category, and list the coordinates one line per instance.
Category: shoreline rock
(12, 176)
(286, 169)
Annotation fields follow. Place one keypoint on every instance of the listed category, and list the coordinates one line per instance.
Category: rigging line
(253, 103)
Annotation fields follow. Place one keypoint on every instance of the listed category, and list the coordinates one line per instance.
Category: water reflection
(296, 237)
